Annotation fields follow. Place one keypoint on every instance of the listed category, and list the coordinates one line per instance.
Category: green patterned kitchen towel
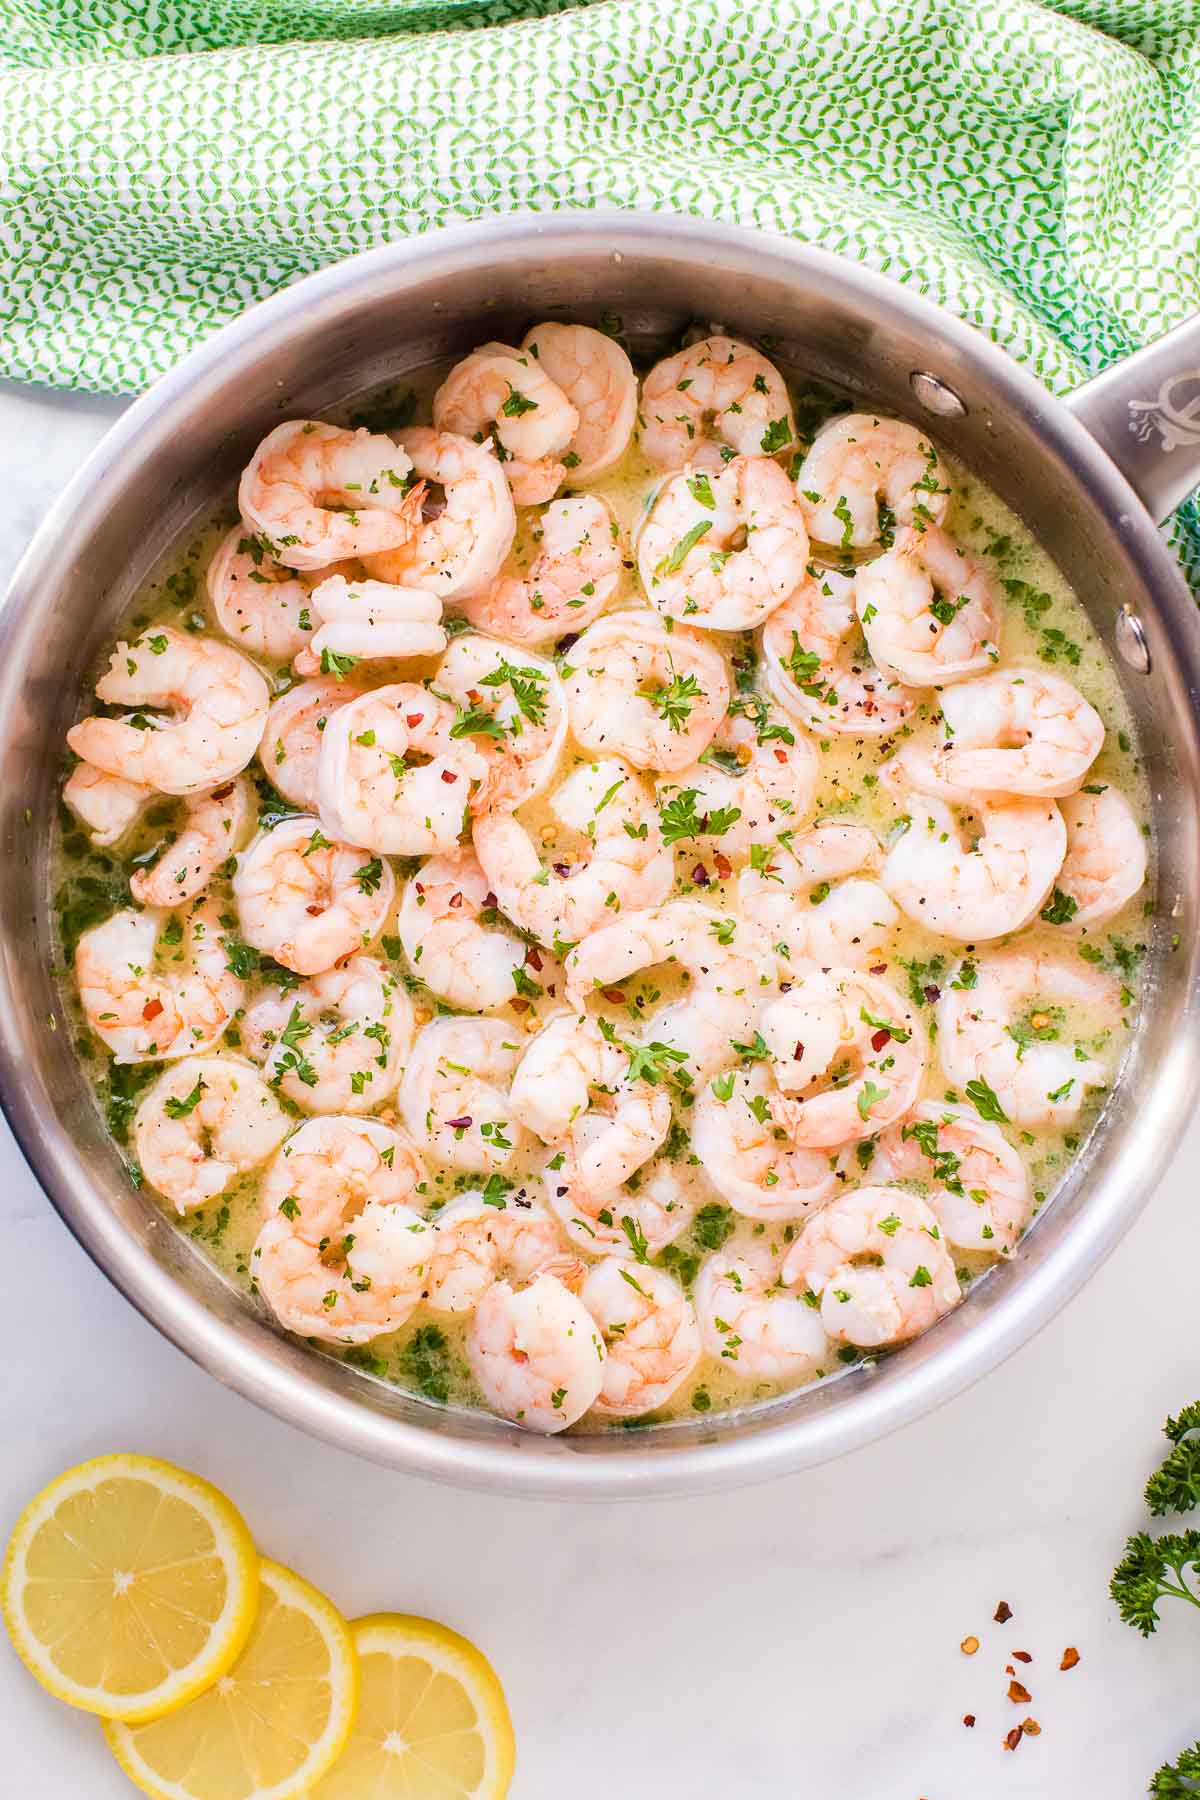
(163, 163)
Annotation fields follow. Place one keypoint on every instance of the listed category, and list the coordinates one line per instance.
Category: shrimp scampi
(723, 551)
(336, 1043)
(157, 985)
(206, 1121)
(864, 472)
(877, 1262)
(611, 892)
(715, 396)
(213, 703)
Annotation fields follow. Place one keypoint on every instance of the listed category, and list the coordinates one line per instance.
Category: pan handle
(1145, 412)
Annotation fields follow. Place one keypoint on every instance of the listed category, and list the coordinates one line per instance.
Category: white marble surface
(794, 1639)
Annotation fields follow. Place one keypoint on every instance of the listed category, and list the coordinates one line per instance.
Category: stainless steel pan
(1090, 476)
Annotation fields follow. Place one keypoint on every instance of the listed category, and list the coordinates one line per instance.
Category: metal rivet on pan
(935, 396)
(1132, 646)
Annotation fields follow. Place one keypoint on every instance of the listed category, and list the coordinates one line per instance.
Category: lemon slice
(272, 1725)
(129, 1586)
(432, 1718)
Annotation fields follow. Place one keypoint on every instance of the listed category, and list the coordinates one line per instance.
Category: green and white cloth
(1035, 168)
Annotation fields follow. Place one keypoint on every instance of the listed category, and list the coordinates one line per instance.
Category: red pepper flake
(1003, 1613)
(455, 902)
(449, 777)
(1031, 1728)
(969, 1721)
(533, 960)
(879, 969)
(614, 996)
(463, 1124)
(1013, 1738)
(1069, 1659)
(1019, 1694)
(723, 866)
(223, 793)
(1022, 1656)
(519, 1006)
(879, 1039)
(152, 1009)
(412, 720)
(314, 912)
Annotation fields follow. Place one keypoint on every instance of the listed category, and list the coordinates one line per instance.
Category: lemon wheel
(129, 1586)
(272, 1725)
(432, 1718)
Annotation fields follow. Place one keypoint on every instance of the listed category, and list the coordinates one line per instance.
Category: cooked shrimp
(729, 965)
(620, 863)
(206, 1120)
(506, 391)
(596, 376)
(930, 611)
(859, 465)
(308, 902)
(858, 1037)
(914, 769)
(316, 494)
(571, 1067)
(975, 891)
(354, 1296)
(291, 739)
(571, 580)
(649, 1211)
(453, 937)
(716, 395)
(1105, 864)
(794, 899)
(477, 1242)
(753, 1323)
(369, 621)
(819, 669)
(519, 711)
(157, 985)
(749, 1157)
(536, 1353)
(757, 771)
(216, 826)
(1000, 1027)
(1019, 731)
(337, 1043)
(108, 805)
(459, 550)
(878, 1262)
(455, 1094)
(216, 705)
(258, 602)
(330, 1168)
(637, 690)
(723, 551)
(976, 1182)
(394, 774)
(650, 1333)
(607, 1184)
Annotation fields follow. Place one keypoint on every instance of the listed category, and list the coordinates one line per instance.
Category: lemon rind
(294, 1590)
(229, 1633)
